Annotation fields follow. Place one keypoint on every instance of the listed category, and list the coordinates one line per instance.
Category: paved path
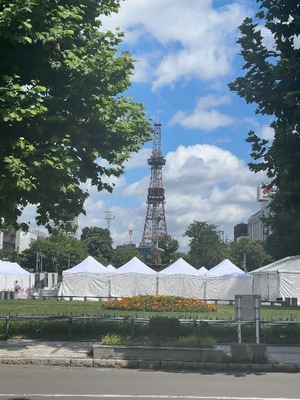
(43, 348)
(77, 354)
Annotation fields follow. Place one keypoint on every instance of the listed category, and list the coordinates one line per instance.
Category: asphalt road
(35, 383)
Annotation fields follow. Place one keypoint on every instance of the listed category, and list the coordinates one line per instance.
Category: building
(12, 240)
(257, 227)
(240, 230)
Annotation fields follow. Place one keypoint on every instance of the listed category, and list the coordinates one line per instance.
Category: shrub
(195, 341)
(187, 341)
(112, 339)
(208, 342)
(161, 328)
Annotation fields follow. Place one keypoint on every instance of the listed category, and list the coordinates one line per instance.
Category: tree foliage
(249, 252)
(53, 254)
(179, 254)
(206, 246)
(284, 239)
(123, 254)
(64, 117)
(169, 246)
(98, 243)
(12, 255)
(272, 82)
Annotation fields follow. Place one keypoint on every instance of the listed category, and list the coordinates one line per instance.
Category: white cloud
(266, 132)
(205, 165)
(204, 116)
(297, 42)
(138, 159)
(202, 182)
(268, 37)
(95, 213)
(197, 39)
(143, 69)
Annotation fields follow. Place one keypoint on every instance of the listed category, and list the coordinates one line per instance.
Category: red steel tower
(155, 222)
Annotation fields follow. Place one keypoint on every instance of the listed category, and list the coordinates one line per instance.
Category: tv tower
(155, 222)
(109, 216)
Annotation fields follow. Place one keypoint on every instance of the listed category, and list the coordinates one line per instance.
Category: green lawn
(80, 308)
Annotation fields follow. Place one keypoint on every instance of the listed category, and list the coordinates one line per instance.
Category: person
(17, 286)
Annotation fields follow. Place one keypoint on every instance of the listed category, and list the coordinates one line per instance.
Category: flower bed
(159, 303)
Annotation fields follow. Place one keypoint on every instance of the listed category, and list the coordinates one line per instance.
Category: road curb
(150, 364)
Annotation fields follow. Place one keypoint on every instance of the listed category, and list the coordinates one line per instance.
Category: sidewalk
(76, 354)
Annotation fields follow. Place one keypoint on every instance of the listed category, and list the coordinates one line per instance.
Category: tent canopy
(201, 271)
(226, 267)
(10, 272)
(135, 266)
(111, 268)
(179, 267)
(287, 264)
(12, 268)
(88, 266)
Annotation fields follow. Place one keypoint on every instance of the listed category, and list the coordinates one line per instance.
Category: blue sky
(186, 55)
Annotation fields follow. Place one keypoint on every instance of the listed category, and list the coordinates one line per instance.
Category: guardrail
(131, 320)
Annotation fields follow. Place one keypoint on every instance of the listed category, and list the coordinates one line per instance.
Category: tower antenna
(155, 221)
(109, 216)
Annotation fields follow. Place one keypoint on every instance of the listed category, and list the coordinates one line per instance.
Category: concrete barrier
(157, 353)
(249, 352)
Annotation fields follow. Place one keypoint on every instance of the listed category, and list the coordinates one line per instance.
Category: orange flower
(160, 303)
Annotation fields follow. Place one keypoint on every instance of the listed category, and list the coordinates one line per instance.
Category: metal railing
(132, 320)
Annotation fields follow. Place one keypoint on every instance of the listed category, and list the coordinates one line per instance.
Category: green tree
(250, 251)
(169, 246)
(175, 256)
(64, 115)
(206, 246)
(9, 255)
(272, 82)
(98, 243)
(284, 239)
(123, 254)
(55, 253)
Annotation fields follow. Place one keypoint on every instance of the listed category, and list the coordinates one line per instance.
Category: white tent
(134, 278)
(202, 271)
(225, 280)
(10, 272)
(111, 268)
(179, 267)
(136, 266)
(87, 266)
(287, 264)
(278, 279)
(225, 287)
(180, 279)
(87, 279)
(226, 267)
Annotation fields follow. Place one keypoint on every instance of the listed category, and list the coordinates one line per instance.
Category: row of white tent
(224, 281)
(91, 279)
(91, 266)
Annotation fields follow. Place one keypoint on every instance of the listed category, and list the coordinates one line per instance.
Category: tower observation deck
(155, 221)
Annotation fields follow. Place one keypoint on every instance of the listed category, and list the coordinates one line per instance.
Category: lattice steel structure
(109, 216)
(155, 222)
